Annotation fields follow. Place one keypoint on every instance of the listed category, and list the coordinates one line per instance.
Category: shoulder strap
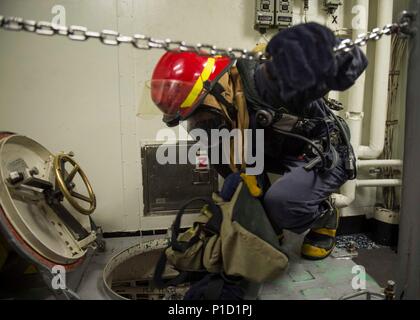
(246, 69)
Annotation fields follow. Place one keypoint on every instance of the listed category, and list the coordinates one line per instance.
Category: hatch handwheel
(65, 183)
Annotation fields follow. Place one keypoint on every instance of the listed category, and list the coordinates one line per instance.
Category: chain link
(142, 42)
(362, 40)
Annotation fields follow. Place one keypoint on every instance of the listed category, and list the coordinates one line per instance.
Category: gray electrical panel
(167, 187)
(284, 14)
(273, 14)
(264, 14)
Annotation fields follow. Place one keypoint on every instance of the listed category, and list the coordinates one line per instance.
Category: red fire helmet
(178, 82)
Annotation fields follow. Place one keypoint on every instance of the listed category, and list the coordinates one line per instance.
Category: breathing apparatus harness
(281, 121)
(286, 124)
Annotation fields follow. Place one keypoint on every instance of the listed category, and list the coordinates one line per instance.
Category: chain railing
(142, 42)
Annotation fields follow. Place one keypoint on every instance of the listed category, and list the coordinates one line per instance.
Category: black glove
(302, 57)
(304, 66)
(350, 66)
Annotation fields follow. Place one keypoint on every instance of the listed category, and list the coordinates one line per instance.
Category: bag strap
(212, 225)
(158, 280)
(215, 222)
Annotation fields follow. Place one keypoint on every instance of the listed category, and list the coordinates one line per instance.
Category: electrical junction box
(264, 15)
(284, 14)
(273, 14)
(331, 6)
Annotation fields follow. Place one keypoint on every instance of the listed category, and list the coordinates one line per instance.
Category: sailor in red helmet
(304, 141)
(179, 83)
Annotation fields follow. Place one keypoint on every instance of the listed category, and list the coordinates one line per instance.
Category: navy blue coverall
(302, 70)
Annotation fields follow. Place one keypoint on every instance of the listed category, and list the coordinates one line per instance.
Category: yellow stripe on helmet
(199, 84)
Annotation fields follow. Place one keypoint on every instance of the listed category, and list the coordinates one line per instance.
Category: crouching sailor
(304, 140)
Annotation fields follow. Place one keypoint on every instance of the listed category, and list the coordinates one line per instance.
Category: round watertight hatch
(27, 220)
(128, 275)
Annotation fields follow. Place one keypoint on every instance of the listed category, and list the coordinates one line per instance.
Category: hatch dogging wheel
(65, 183)
(30, 226)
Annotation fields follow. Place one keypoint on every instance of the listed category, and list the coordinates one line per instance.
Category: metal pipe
(380, 88)
(379, 183)
(354, 114)
(342, 201)
(356, 97)
(379, 163)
